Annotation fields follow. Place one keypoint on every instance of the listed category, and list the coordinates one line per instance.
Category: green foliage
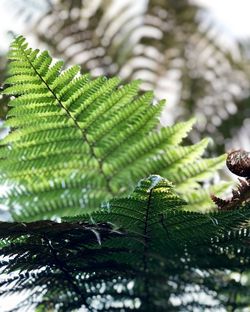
(137, 253)
(77, 141)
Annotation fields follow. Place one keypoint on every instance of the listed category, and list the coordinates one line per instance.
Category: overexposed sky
(232, 15)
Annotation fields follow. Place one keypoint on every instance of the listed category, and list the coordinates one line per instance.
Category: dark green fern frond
(77, 141)
(137, 253)
(32, 270)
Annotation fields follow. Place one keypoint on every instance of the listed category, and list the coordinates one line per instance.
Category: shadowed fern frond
(76, 141)
(136, 253)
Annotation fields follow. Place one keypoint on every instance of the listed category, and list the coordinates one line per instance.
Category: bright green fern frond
(188, 176)
(201, 200)
(77, 141)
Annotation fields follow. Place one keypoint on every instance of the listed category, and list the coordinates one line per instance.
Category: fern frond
(77, 141)
(201, 200)
(129, 255)
(189, 176)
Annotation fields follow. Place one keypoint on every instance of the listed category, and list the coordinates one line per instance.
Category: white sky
(232, 15)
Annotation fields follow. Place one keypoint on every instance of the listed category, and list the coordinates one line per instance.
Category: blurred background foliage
(165, 43)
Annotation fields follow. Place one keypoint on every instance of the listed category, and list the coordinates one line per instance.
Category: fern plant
(76, 141)
(136, 253)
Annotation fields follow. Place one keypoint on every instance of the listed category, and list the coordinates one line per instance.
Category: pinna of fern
(135, 253)
(77, 141)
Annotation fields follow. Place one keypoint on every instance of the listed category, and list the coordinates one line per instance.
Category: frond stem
(145, 250)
